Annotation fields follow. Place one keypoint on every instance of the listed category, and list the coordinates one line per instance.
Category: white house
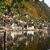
(30, 27)
(30, 30)
(45, 31)
(16, 26)
(17, 30)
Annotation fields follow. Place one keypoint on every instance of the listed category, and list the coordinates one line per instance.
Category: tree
(8, 2)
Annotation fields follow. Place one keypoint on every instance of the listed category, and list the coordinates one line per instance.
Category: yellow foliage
(8, 2)
(31, 10)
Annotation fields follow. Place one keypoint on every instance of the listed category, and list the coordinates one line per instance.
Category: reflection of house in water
(16, 29)
(1, 36)
(29, 27)
(44, 30)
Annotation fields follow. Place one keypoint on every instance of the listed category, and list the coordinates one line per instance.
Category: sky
(47, 2)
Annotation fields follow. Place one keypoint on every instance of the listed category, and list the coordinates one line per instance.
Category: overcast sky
(47, 2)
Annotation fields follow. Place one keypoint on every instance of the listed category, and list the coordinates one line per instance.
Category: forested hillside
(36, 9)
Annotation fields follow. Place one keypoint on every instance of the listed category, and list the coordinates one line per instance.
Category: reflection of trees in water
(38, 43)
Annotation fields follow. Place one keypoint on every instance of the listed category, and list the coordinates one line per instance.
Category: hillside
(38, 10)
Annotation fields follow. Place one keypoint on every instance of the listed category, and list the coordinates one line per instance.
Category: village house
(17, 29)
(45, 30)
(29, 28)
(16, 26)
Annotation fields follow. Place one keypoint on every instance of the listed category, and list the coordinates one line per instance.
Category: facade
(17, 29)
(29, 28)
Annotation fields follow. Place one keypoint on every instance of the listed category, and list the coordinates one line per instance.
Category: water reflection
(23, 37)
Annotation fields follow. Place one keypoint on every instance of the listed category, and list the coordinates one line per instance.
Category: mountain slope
(38, 10)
